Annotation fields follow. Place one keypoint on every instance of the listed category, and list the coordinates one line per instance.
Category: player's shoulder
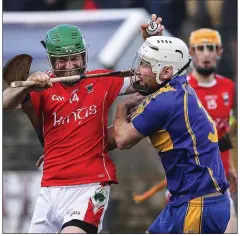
(222, 80)
(165, 95)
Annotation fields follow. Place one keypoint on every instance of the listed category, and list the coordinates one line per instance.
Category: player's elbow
(6, 104)
(122, 146)
(121, 137)
(122, 143)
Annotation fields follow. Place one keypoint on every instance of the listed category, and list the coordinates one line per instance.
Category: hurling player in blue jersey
(183, 133)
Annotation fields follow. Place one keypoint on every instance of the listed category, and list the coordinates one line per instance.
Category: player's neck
(203, 79)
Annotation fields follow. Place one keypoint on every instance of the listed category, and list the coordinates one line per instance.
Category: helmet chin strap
(142, 90)
(159, 70)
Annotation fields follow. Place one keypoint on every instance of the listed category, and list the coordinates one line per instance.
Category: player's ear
(219, 51)
(167, 72)
(191, 51)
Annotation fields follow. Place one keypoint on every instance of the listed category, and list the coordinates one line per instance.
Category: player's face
(146, 76)
(205, 56)
(68, 65)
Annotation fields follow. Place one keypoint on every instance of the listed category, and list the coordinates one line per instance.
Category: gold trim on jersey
(162, 141)
(214, 180)
(140, 108)
(166, 88)
(193, 216)
(190, 131)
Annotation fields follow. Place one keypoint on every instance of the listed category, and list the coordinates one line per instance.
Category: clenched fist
(156, 19)
(41, 79)
(132, 100)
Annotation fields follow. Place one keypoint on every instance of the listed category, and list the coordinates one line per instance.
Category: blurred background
(112, 31)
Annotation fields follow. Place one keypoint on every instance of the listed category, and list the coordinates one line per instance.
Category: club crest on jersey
(225, 98)
(211, 101)
(89, 88)
(100, 195)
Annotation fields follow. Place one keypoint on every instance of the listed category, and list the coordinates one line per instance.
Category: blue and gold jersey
(186, 138)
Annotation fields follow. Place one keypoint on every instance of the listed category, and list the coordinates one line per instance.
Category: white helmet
(161, 51)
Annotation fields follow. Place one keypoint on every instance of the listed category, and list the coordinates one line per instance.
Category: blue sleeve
(155, 115)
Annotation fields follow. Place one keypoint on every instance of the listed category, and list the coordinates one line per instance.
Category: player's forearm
(111, 139)
(12, 97)
(231, 161)
(120, 127)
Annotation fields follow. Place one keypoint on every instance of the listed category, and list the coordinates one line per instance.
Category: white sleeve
(125, 86)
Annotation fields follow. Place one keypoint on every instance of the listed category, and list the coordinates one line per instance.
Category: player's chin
(207, 65)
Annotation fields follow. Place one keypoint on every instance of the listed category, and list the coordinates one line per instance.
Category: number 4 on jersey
(74, 98)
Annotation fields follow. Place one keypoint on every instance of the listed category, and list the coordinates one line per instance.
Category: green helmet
(65, 41)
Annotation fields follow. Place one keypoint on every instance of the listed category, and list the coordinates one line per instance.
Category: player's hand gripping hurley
(72, 78)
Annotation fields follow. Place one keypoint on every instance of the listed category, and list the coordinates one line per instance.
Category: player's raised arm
(152, 28)
(12, 97)
(111, 139)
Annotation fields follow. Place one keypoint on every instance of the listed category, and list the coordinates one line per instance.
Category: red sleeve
(36, 101)
(232, 95)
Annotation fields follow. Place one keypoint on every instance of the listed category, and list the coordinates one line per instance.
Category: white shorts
(56, 206)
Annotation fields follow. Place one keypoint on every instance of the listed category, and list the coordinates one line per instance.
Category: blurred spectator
(80, 4)
(13, 5)
(34, 5)
(228, 30)
(93, 4)
(44, 5)
(173, 12)
(220, 15)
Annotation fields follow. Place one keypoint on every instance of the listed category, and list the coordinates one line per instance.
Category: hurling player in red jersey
(72, 118)
(216, 93)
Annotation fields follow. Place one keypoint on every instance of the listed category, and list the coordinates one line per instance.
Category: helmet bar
(43, 43)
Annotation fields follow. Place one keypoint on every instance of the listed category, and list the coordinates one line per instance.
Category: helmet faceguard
(66, 44)
(137, 84)
(158, 52)
(55, 61)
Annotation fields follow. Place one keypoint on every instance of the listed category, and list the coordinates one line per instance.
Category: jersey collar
(207, 85)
